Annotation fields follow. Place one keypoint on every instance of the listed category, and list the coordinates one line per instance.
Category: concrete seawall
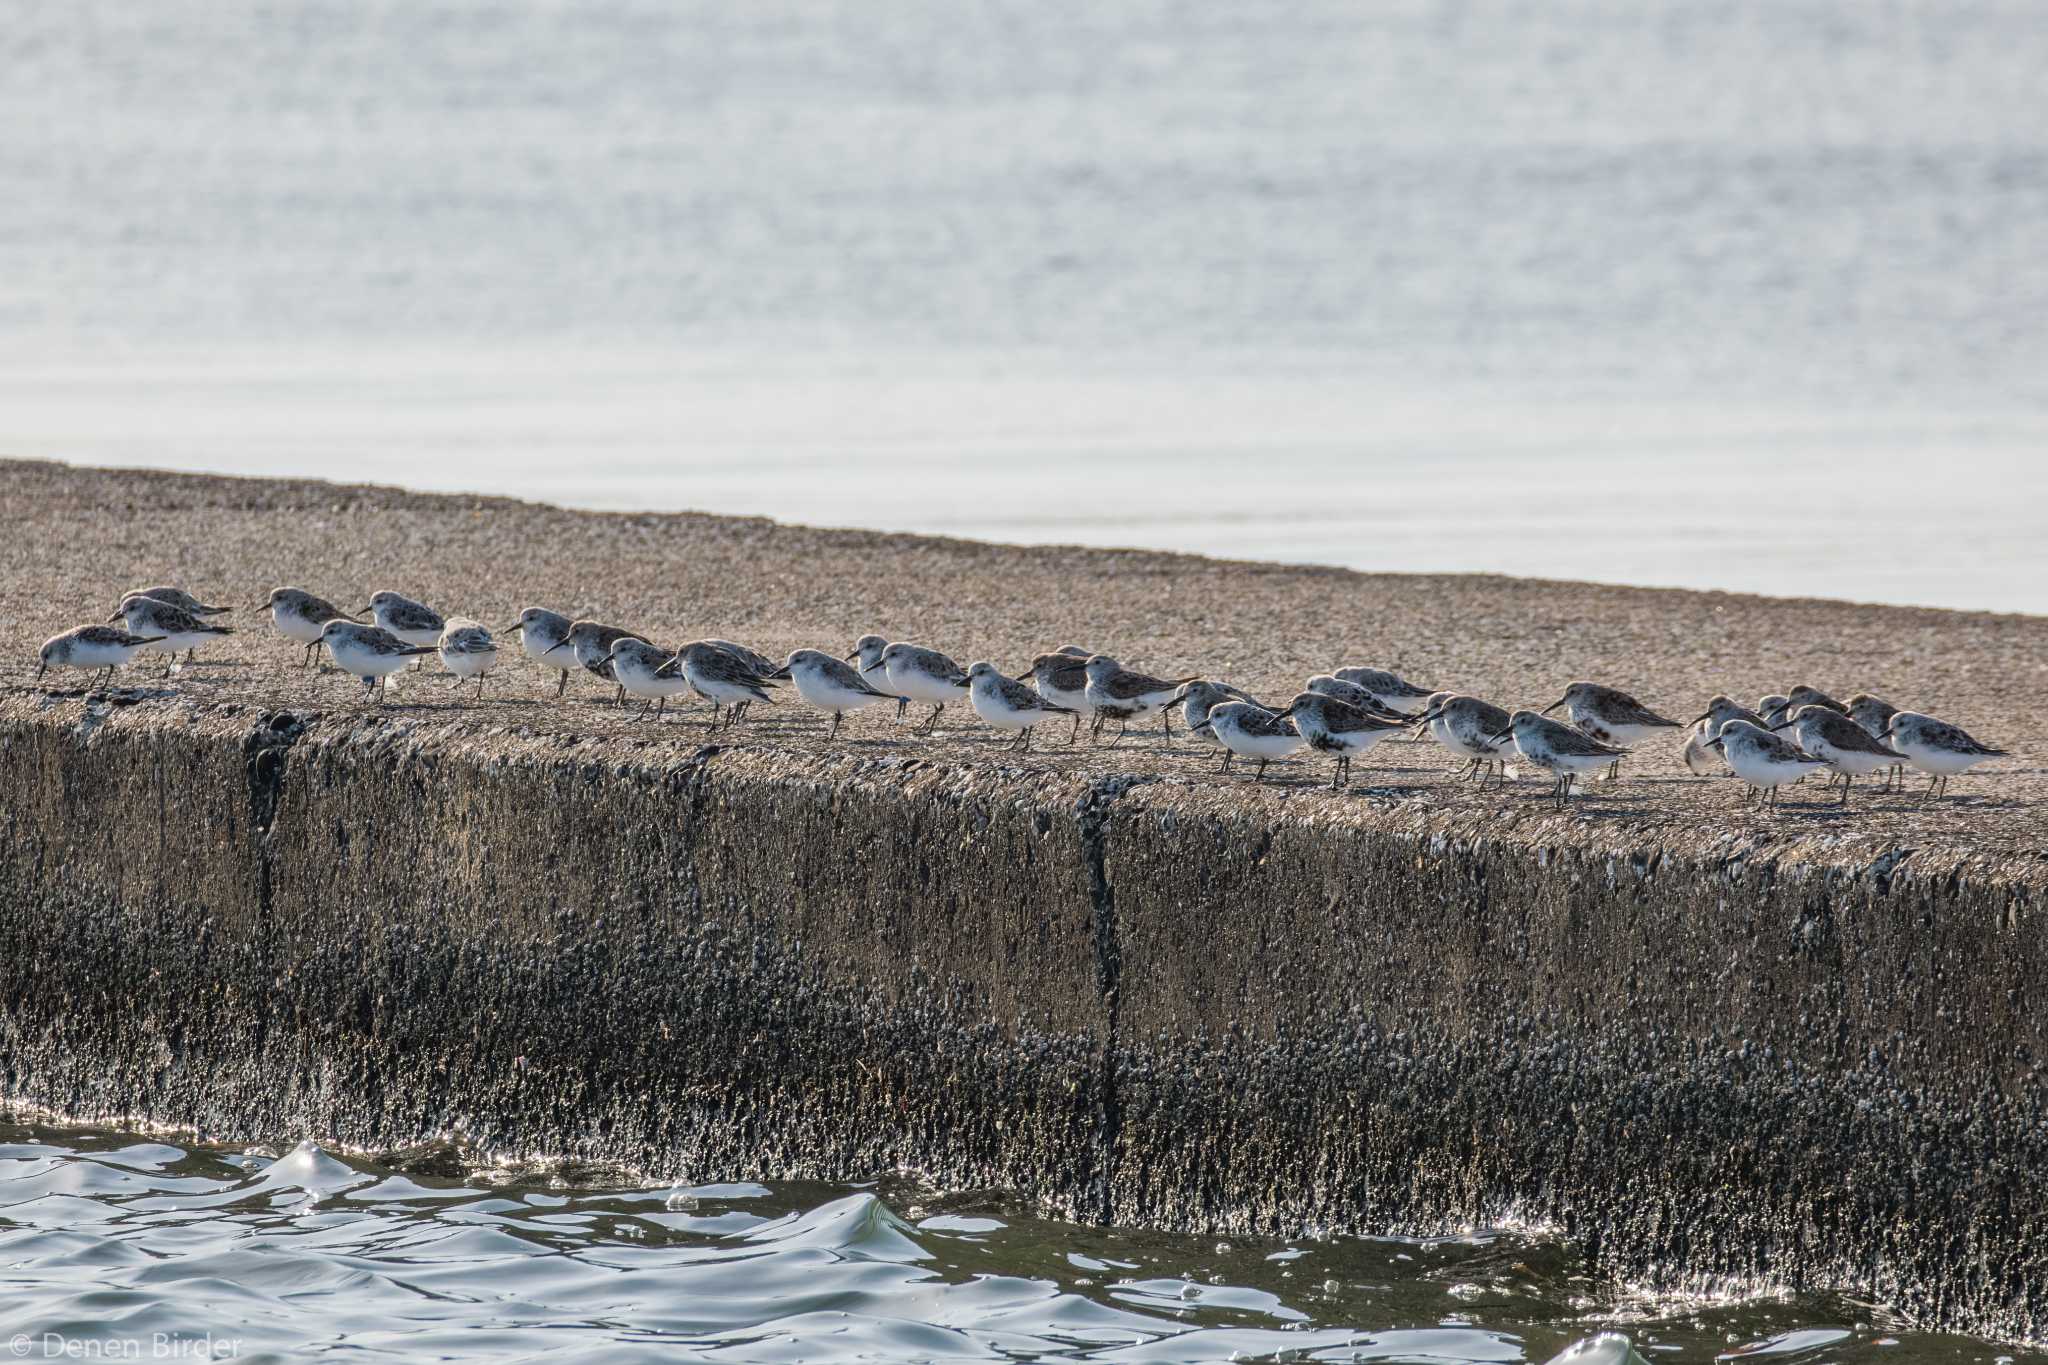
(1803, 1047)
(1133, 999)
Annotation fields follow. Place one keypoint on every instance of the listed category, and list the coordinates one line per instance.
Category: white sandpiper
(1560, 749)
(368, 653)
(1806, 695)
(299, 615)
(101, 647)
(540, 630)
(638, 667)
(1062, 679)
(178, 598)
(1199, 697)
(1764, 760)
(176, 630)
(831, 684)
(1874, 714)
(1700, 760)
(1839, 742)
(415, 623)
(1937, 748)
(590, 644)
(731, 677)
(1772, 708)
(1610, 716)
(467, 651)
(1338, 728)
(1116, 693)
(1473, 729)
(866, 657)
(1351, 694)
(1250, 731)
(1007, 704)
(1390, 690)
(924, 675)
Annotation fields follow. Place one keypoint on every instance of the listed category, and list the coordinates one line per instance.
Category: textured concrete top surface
(72, 540)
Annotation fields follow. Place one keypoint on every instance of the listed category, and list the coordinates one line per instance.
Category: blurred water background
(1742, 295)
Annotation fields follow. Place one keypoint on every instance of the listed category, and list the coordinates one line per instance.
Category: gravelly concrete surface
(76, 538)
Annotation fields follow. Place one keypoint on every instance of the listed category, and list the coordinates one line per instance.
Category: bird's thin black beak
(509, 629)
(1205, 725)
(851, 657)
(1781, 725)
(1429, 716)
(1697, 719)
(42, 667)
(115, 617)
(1717, 742)
(1554, 705)
(562, 644)
(1495, 738)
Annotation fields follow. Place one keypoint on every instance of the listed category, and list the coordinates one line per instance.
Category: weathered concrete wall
(1151, 1001)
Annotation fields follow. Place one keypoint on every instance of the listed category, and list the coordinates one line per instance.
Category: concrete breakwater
(1812, 1060)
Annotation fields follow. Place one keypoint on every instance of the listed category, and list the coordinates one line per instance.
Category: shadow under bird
(540, 630)
(369, 654)
(177, 631)
(415, 623)
(299, 615)
(1006, 704)
(1116, 692)
(1339, 729)
(1473, 729)
(1846, 747)
(1937, 748)
(831, 684)
(1247, 730)
(468, 651)
(1610, 716)
(1567, 753)
(104, 648)
(1764, 760)
(1061, 677)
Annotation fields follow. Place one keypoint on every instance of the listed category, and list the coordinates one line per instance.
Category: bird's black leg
(1228, 755)
(562, 683)
(931, 724)
(1074, 736)
(1845, 790)
(1261, 775)
(1166, 721)
(901, 702)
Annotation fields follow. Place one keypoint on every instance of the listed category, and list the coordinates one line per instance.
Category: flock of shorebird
(1343, 714)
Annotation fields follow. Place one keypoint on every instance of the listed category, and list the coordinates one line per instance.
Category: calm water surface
(1722, 293)
(156, 1249)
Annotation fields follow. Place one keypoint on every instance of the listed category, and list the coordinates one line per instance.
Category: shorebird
(638, 668)
(1116, 692)
(1839, 742)
(729, 676)
(1559, 749)
(1390, 690)
(299, 615)
(1937, 748)
(1007, 704)
(540, 630)
(1803, 695)
(1251, 731)
(1473, 729)
(1062, 679)
(175, 630)
(415, 623)
(467, 651)
(1351, 694)
(921, 674)
(1200, 696)
(1874, 714)
(1337, 728)
(178, 598)
(590, 643)
(369, 653)
(1773, 708)
(100, 647)
(1700, 759)
(866, 657)
(1764, 760)
(831, 684)
(1610, 716)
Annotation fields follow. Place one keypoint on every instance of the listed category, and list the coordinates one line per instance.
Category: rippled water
(141, 1248)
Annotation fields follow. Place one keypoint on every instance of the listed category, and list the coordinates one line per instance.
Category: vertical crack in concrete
(264, 752)
(1092, 812)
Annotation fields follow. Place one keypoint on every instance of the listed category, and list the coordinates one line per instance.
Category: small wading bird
(1337, 728)
(1701, 760)
(731, 677)
(179, 598)
(415, 623)
(105, 648)
(1839, 742)
(1559, 749)
(368, 653)
(299, 615)
(1062, 679)
(1250, 731)
(590, 644)
(866, 657)
(174, 630)
(1937, 748)
(467, 651)
(1116, 693)
(1200, 697)
(1611, 716)
(831, 685)
(922, 674)
(540, 630)
(638, 668)
(1476, 730)
(1007, 704)
(1392, 691)
(1764, 760)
